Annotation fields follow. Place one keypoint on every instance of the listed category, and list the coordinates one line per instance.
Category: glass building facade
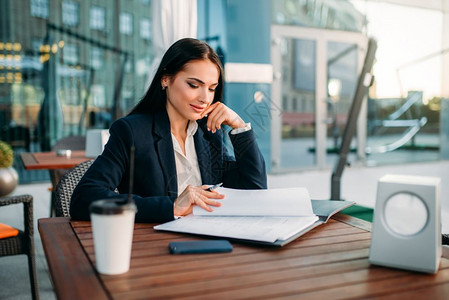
(67, 66)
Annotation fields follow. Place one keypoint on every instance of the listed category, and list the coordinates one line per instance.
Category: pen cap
(111, 207)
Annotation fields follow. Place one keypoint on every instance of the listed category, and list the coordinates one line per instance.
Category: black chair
(64, 188)
(73, 142)
(23, 243)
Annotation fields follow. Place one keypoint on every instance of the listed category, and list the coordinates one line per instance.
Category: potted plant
(8, 175)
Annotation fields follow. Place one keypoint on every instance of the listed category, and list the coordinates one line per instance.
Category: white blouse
(187, 168)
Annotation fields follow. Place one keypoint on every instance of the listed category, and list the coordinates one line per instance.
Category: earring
(163, 88)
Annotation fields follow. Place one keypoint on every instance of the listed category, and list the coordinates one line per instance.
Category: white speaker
(406, 231)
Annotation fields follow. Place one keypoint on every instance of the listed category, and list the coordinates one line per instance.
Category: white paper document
(257, 215)
(264, 229)
(287, 202)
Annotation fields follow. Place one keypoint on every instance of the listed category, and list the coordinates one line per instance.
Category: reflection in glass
(298, 102)
(341, 15)
(341, 83)
(58, 63)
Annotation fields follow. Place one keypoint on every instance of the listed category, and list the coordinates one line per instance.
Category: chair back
(23, 243)
(65, 187)
(72, 142)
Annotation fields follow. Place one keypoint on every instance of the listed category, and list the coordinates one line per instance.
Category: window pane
(69, 13)
(126, 23)
(145, 29)
(39, 8)
(97, 58)
(98, 95)
(70, 54)
(97, 18)
(129, 67)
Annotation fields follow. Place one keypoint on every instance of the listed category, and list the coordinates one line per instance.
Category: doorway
(315, 77)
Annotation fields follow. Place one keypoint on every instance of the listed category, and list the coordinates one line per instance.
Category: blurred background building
(292, 66)
(68, 66)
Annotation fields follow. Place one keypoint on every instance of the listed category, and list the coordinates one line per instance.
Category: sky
(405, 35)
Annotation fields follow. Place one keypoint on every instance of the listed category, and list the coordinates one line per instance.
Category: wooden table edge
(68, 285)
(33, 160)
(28, 160)
(353, 221)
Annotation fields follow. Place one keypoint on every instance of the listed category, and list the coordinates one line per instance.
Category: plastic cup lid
(111, 207)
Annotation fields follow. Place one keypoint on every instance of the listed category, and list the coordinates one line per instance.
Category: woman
(179, 150)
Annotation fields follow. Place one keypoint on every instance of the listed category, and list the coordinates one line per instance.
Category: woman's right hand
(196, 195)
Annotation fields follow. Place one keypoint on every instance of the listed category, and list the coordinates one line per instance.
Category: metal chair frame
(23, 243)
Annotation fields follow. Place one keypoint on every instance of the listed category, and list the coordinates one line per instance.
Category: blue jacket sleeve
(247, 171)
(110, 173)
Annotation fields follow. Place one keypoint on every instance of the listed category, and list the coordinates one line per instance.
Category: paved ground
(358, 184)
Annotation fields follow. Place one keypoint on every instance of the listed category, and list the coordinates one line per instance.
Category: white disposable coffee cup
(112, 227)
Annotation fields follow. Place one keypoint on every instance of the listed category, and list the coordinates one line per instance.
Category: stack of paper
(289, 202)
(255, 215)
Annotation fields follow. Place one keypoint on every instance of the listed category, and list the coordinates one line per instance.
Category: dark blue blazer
(155, 180)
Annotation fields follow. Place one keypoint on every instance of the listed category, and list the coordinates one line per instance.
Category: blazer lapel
(164, 146)
(203, 155)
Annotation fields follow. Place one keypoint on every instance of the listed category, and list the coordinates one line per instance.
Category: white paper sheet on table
(264, 229)
(271, 202)
(258, 215)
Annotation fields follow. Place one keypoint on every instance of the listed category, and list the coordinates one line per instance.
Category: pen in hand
(210, 189)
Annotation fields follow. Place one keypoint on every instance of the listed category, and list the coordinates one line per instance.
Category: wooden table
(49, 160)
(330, 262)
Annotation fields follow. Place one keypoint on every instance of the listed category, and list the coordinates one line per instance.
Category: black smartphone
(200, 246)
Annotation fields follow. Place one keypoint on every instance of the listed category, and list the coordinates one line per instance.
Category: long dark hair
(173, 61)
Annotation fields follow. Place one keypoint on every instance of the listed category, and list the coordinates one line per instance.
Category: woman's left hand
(218, 114)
